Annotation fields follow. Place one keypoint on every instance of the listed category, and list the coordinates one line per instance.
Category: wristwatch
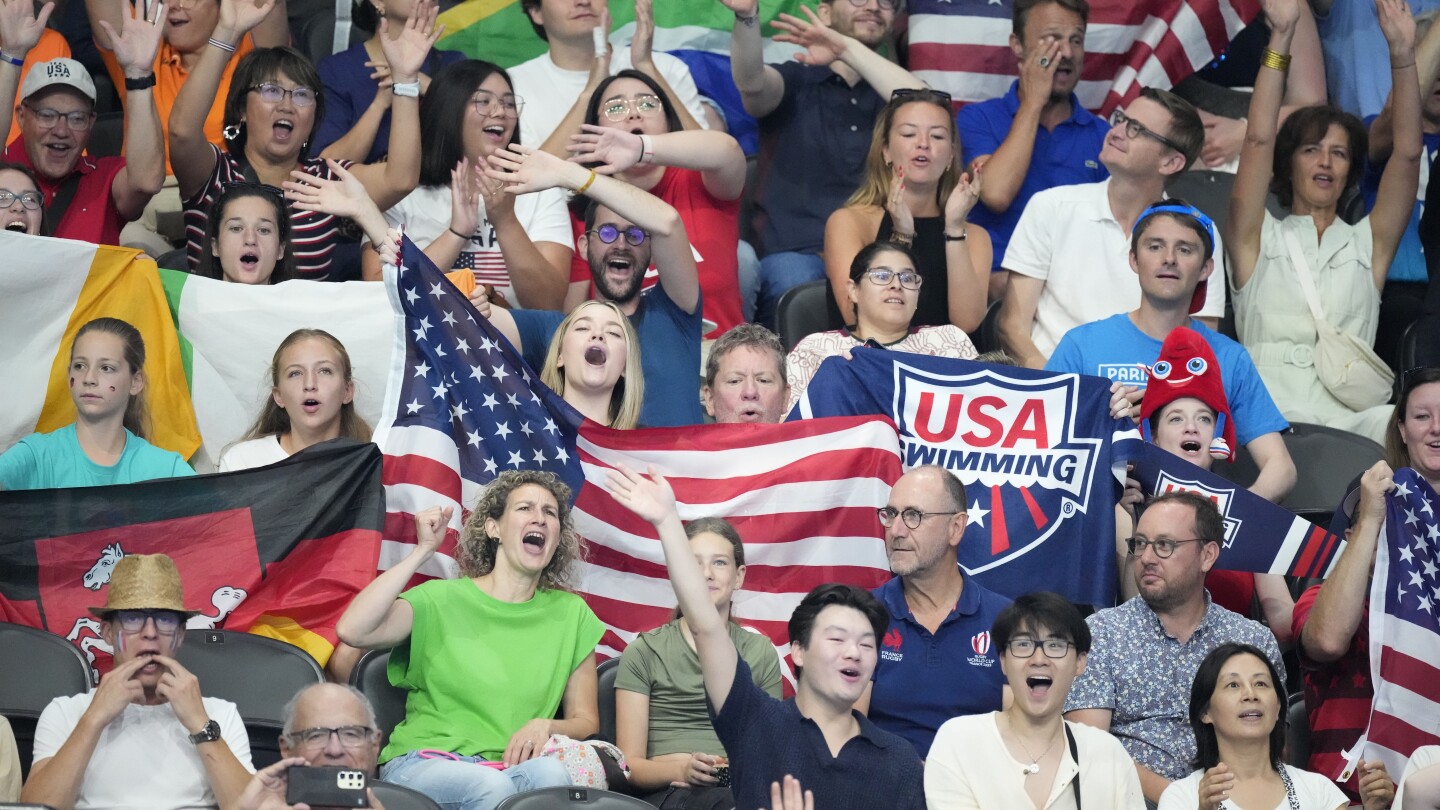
(210, 733)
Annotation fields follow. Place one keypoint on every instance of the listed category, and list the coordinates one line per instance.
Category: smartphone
(326, 787)
(722, 775)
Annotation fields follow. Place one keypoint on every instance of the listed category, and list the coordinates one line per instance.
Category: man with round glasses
(1136, 683)
(145, 718)
(86, 198)
(936, 660)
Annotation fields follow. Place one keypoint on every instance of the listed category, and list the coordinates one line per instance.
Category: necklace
(1034, 766)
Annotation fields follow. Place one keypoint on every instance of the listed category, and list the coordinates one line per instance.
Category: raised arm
(1252, 180)
(716, 155)
(824, 45)
(20, 30)
(599, 71)
(345, 196)
(967, 262)
(191, 156)
(642, 58)
(524, 170)
(651, 498)
(377, 616)
(847, 232)
(389, 182)
(1427, 66)
(135, 46)
(1007, 166)
(761, 86)
(1400, 180)
(1331, 625)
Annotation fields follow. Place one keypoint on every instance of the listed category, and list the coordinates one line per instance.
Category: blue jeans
(778, 273)
(463, 785)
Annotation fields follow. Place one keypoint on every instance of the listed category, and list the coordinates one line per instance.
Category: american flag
(1405, 625)
(962, 46)
(462, 406)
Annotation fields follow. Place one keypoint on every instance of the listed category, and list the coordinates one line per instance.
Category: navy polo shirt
(768, 738)
(922, 680)
(669, 354)
(812, 155)
(1066, 156)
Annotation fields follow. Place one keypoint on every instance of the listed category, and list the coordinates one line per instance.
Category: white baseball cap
(66, 72)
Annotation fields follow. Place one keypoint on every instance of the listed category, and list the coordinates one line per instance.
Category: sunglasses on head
(922, 94)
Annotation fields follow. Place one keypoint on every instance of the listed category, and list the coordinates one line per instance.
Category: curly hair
(477, 550)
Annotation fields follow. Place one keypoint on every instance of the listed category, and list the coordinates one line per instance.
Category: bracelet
(964, 233)
(406, 89)
(144, 83)
(748, 22)
(647, 150)
(457, 233)
(903, 238)
(586, 187)
(1275, 60)
(14, 60)
(224, 46)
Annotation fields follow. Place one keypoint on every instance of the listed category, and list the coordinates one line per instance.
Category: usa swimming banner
(1037, 451)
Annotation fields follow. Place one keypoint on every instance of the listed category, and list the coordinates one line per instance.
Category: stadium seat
(1420, 345)
(608, 670)
(1297, 732)
(177, 259)
(258, 674)
(986, 337)
(107, 135)
(562, 797)
(53, 667)
(804, 310)
(396, 797)
(1326, 461)
(370, 678)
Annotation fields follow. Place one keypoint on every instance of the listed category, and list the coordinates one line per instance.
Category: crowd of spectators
(589, 203)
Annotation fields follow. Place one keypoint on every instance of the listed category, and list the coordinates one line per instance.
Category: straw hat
(144, 582)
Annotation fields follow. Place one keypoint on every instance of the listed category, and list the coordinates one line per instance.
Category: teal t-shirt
(477, 668)
(55, 460)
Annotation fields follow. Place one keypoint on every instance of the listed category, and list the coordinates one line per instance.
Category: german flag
(279, 551)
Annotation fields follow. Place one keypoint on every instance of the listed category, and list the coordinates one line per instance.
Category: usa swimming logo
(1011, 441)
(1167, 481)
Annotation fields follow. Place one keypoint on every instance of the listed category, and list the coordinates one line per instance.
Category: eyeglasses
(133, 621)
(47, 118)
(920, 93)
(912, 517)
(485, 101)
(1025, 647)
(880, 276)
(618, 109)
(887, 5)
(1134, 129)
(350, 736)
(634, 236)
(1164, 547)
(31, 200)
(272, 93)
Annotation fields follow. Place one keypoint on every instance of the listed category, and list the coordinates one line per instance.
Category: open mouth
(249, 260)
(283, 129)
(18, 226)
(1190, 446)
(1253, 714)
(311, 405)
(850, 673)
(921, 160)
(1324, 179)
(750, 414)
(619, 264)
(1038, 685)
(534, 541)
(595, 355)
(495, 131)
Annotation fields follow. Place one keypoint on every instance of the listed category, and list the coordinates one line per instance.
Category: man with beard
(936, 660)
(145, 737)
(1136, 684)
(626, 230)
(1037, 135)
(816, 117)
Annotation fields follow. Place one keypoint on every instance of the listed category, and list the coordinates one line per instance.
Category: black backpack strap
(1075, 755)
(55, 211)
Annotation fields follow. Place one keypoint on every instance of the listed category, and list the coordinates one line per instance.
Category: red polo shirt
(92, 215)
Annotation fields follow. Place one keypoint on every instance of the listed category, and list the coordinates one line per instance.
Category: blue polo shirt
(922, 680)
(767, 738)
(669, 354)
(1066, 156)
(812, 155)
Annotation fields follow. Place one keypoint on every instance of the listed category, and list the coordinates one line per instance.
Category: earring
(232, 131)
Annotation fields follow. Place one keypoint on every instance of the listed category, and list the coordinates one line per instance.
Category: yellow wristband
(586, 187)
(1275, 60)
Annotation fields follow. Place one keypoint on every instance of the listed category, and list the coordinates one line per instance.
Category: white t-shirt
(1424, 757)
(425, 213)
(969, 768)
(1068, 238)
(1314, 792)
(247, 455)
(144, 759)
(549, 91)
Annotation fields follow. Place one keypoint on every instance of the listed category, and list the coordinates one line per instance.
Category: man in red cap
(144, 738)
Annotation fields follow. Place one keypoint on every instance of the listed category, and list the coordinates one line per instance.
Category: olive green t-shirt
(661, 665)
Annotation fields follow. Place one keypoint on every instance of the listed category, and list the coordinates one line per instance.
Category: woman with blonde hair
(487, 659)
(589, 362)
(312, 400)
(915, 194)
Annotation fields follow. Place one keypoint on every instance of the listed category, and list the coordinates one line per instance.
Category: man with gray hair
(331, 725)
(936, 660)
(745, 377)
